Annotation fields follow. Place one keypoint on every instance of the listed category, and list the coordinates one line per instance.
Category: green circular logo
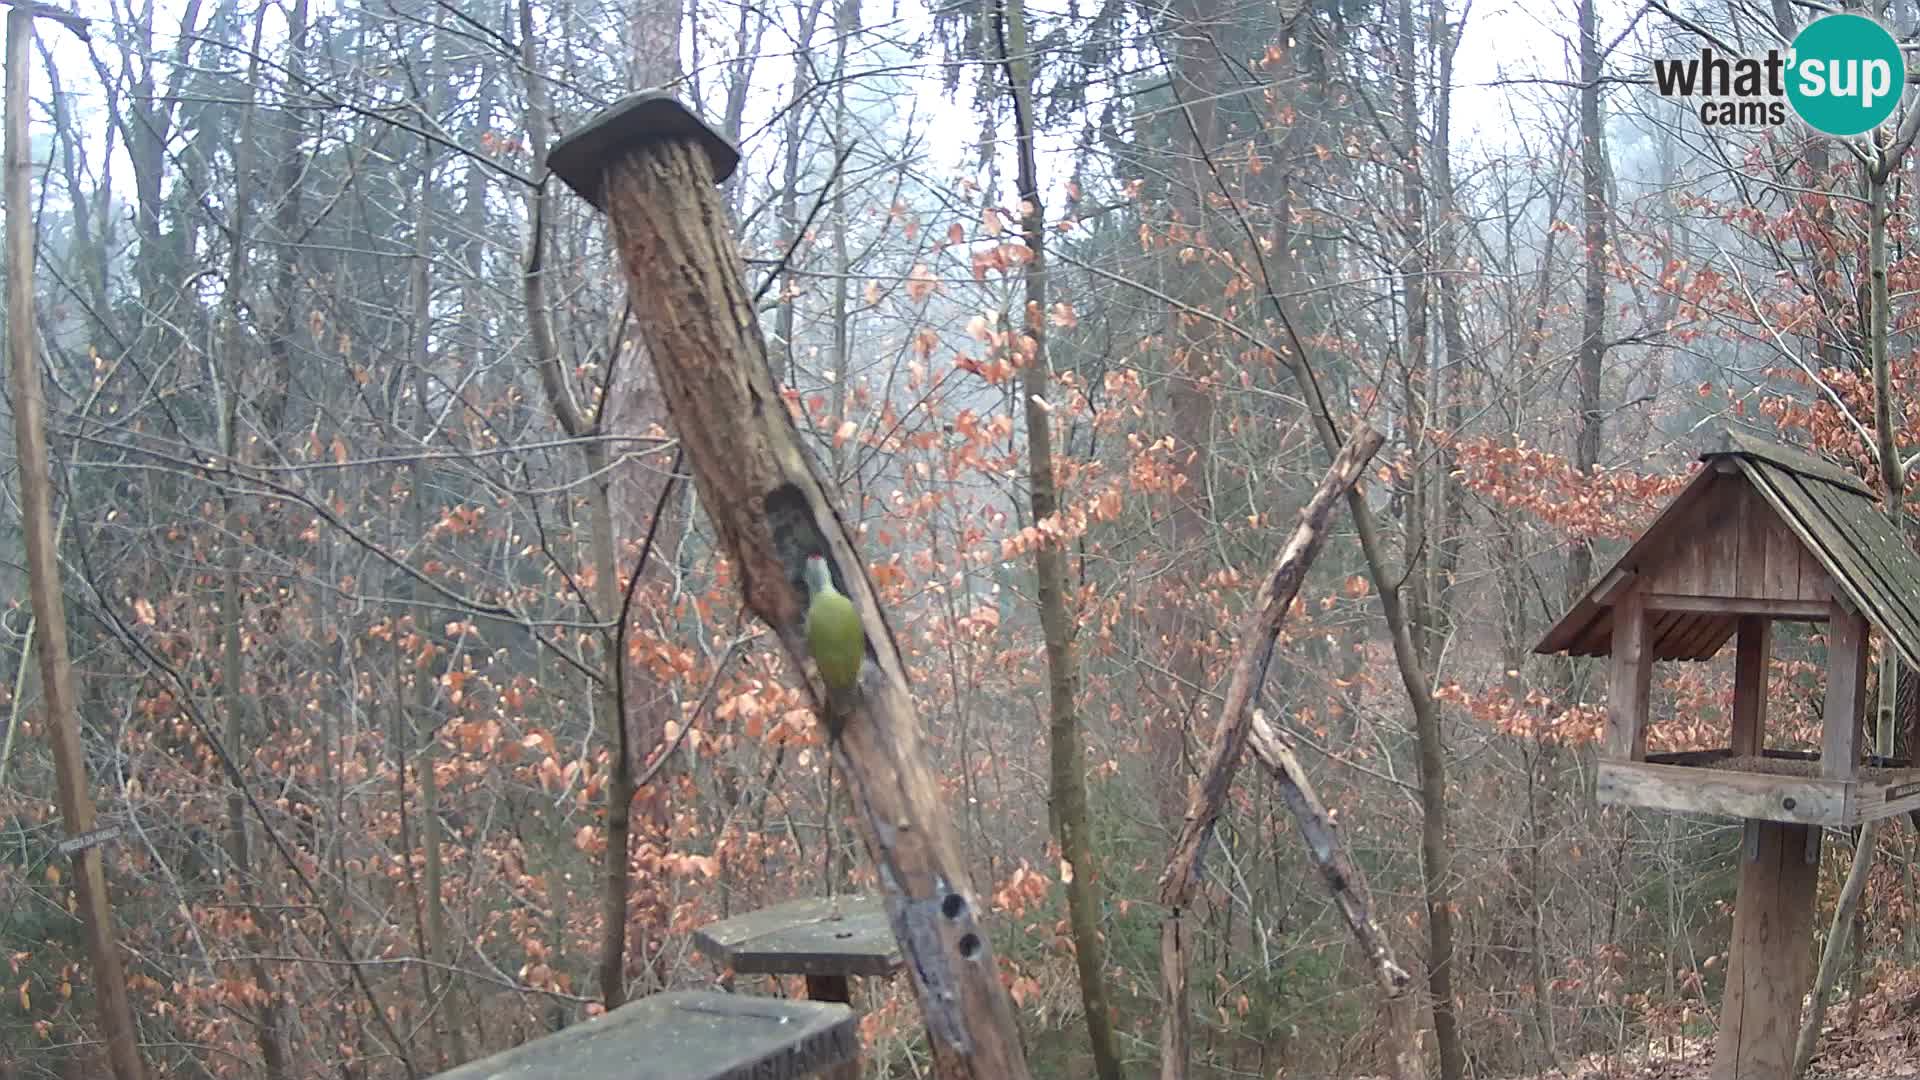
(1845, 74)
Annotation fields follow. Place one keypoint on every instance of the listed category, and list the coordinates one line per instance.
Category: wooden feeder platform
(685, 1035)
(826, 941)
(1775, 785)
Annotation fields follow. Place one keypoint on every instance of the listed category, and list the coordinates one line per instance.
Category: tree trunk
(1197, 74)
(1436, 853)
(765, 495)
(1068, 765)
(1449, 539)
(1593, 311)
(43, 569)
(1414, 483)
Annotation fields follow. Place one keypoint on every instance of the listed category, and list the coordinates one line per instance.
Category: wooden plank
(1817, 518)
(1816, 585)
(1668, 633)
(1807, 520)
(1891, 797)
(1770, 959)
(1755, 518)
(1721, 793)
(1797, 610)
(1689, 757)
(1793, 459)
(816, 937)
(1683, 564)
(1784, 552)
(685, 1035)
(1720, 539)
(1857, 527)
(1709, 633)
(1750, 663)
(1846, 695)
(1612, 584)
(1723, 630)
(1631, 682)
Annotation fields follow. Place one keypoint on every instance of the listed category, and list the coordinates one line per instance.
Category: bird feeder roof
(1752, 487)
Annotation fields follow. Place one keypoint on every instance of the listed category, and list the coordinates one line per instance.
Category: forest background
(382, 592)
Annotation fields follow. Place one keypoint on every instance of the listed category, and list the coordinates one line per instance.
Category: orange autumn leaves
(1614, 503)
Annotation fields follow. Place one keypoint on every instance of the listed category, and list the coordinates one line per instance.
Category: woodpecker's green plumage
(834, 636)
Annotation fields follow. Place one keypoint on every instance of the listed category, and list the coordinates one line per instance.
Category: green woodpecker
(834, 636)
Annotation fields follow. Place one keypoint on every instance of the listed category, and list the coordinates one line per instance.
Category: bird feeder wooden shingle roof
(1778, 530)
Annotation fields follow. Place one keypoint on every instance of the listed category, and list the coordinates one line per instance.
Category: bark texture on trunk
(767, 501)
(43, 570)
(1067, 766)
(1593, 307)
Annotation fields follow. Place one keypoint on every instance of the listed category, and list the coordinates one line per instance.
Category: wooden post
(1631, 679)
(1846, 694)
(652, 166)
(1753, 654)
(838, 989)
(1770, 958)
(43, 563)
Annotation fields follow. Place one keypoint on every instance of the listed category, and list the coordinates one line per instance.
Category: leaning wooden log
(1209, 792)
(1349, 892)
(652, 166)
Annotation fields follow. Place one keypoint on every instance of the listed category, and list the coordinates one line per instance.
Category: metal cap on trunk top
(581, 157)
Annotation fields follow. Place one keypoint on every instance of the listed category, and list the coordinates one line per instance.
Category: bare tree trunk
(638, 702)
(1833, 956)
(1593, 311)
(1449, 536)
(1436, 853)
(1887, 153)
(1414, 481)
(1067, 778)
(43, 568)
(808, 12)
(235, 699)
(1197, 74)
(616, 872)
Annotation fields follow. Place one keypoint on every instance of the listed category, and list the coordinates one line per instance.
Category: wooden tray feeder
(826, 941)
(685, 1035)
(1763, 533)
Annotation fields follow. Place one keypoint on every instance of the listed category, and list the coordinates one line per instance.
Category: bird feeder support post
(1846, 694)
(653, 166)
(1752, 656)
(1631, 679)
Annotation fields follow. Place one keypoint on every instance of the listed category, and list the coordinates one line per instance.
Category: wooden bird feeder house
(1763, 534)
